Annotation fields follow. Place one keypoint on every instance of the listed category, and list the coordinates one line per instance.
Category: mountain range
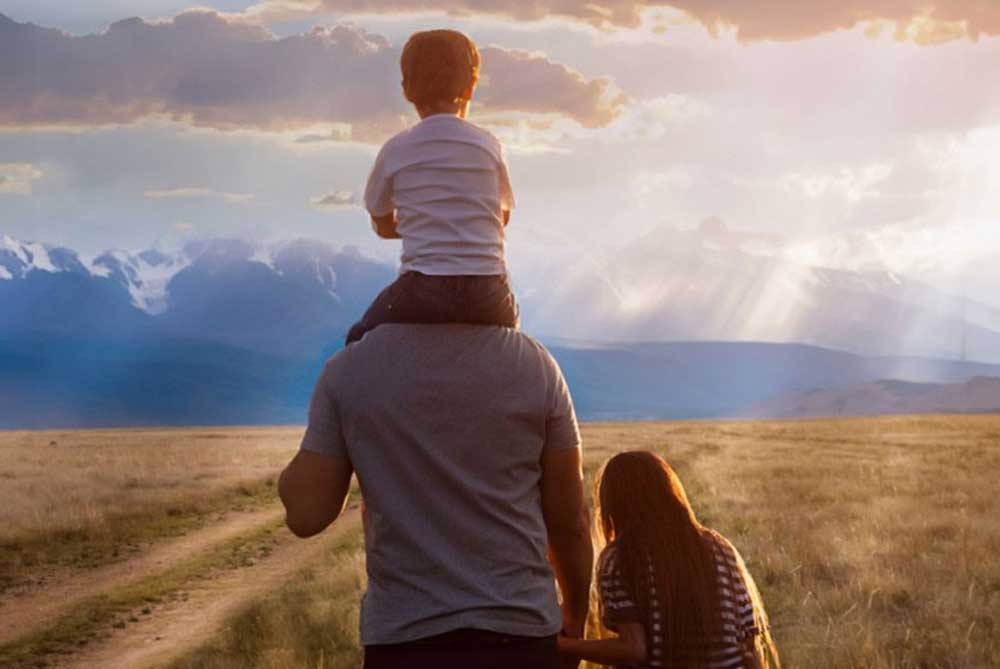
(295, 297)
(227, 331)
(979, 395)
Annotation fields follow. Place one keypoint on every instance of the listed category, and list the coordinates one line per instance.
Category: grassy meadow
(81, 499)
(874, 541)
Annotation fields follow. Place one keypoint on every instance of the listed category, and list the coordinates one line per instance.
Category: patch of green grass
(310, 622)
(124, 533)
(84, 621)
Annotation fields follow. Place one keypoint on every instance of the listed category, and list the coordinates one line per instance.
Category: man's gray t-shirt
(445, 426)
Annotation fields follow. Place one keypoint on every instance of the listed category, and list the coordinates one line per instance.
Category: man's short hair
(438, 67)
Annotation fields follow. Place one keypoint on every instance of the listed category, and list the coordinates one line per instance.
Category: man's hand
(572, 629)
(314, 489)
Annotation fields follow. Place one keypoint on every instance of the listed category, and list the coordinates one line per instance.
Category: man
(467, 452)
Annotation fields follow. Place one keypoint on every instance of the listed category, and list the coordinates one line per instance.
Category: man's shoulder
(530, 342)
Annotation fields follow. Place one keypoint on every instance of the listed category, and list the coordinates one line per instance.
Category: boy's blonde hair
(438, 67)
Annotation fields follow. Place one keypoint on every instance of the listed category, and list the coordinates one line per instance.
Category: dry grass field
(874, 541)
(80, 499)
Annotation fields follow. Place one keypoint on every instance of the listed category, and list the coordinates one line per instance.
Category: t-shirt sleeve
(506, 190)
(561, 428)
(378, 191)
(742, 602)
(324, 433)
(618, 603)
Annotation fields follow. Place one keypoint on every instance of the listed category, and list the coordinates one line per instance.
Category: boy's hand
(385, 226)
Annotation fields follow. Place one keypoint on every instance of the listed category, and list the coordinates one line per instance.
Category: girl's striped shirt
(727, 649)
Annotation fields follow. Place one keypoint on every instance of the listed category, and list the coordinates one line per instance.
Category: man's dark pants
(466, 649)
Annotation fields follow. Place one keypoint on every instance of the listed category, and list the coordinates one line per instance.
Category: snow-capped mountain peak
(146, 275)
(18, 258)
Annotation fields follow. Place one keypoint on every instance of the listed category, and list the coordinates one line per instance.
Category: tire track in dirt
(176, 629)
(28, 608)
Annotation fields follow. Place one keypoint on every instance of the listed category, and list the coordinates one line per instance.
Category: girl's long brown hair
(642, 507)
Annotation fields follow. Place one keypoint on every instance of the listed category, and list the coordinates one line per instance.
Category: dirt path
(24, 609)
(174, 630)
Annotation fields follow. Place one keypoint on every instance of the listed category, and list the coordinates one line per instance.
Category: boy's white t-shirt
(447, 180)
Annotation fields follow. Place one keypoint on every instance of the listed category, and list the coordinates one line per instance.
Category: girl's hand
(628, 648)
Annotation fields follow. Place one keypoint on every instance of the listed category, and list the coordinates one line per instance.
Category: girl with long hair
(676, 593)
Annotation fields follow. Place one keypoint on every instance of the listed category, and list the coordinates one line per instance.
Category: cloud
(913, 20)
(852, 184)
(539, 85)
(338, 133)
(341, 199)
(17, 178)
(189, 193)
(227, 72)
(640, 122)
(923, 249)
(916, 20)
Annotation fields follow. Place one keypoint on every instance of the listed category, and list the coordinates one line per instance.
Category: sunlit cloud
(914, 20)
(640, 121)
(226, 72)
(851, 184)
(648, 184)
(199, 193)
(909, 249)
(17, 178)
(341, 199)
(654, 118)
(338, 132)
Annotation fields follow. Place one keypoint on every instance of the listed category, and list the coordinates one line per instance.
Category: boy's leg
(420, 298)
(483, 300)
(412, 298)
(490, 300)
(380, 310)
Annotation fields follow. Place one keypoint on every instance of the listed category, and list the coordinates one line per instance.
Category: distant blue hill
(63, 381)
(682, 380)
(49, 381)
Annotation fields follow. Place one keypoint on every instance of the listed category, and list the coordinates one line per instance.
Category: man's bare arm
(568, 523)
(385, 226)
(506, 216)
(314, 489)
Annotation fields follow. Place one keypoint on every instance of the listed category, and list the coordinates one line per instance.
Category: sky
(861, 134)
